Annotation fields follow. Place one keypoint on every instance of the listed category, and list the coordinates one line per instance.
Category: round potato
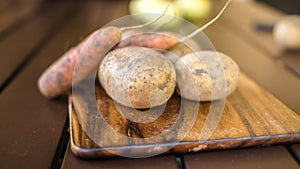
(206, 76)
(137, 77)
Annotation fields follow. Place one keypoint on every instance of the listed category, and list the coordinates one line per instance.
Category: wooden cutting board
(251, 117)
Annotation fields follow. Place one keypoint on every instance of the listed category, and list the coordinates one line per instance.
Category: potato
(200, 76)
(137, 77)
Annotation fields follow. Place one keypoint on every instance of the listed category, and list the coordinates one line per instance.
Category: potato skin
(196, 83)
(137, 77)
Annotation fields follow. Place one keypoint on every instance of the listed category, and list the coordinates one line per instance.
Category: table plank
(291, 60)
(3, 5)
(239, 17)
(166, 162)
(256, 158)
(31, 124)
(14, 13)
(266, 72)
(18, 48)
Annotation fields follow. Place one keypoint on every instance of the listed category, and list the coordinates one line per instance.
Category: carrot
(162, 40)
(58, 78)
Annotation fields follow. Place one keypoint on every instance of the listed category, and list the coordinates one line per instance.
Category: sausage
(57, 79)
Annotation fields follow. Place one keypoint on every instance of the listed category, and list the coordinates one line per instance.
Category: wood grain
(252, 117)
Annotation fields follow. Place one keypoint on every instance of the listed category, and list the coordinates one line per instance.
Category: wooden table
(34, 130)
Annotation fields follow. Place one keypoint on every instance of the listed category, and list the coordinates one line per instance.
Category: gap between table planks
(296, 151)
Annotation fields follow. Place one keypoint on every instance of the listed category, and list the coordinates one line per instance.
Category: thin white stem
(148, 23)
(206, 25)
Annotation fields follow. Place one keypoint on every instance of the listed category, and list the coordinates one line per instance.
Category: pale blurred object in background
(287, 32)
(192, 10)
